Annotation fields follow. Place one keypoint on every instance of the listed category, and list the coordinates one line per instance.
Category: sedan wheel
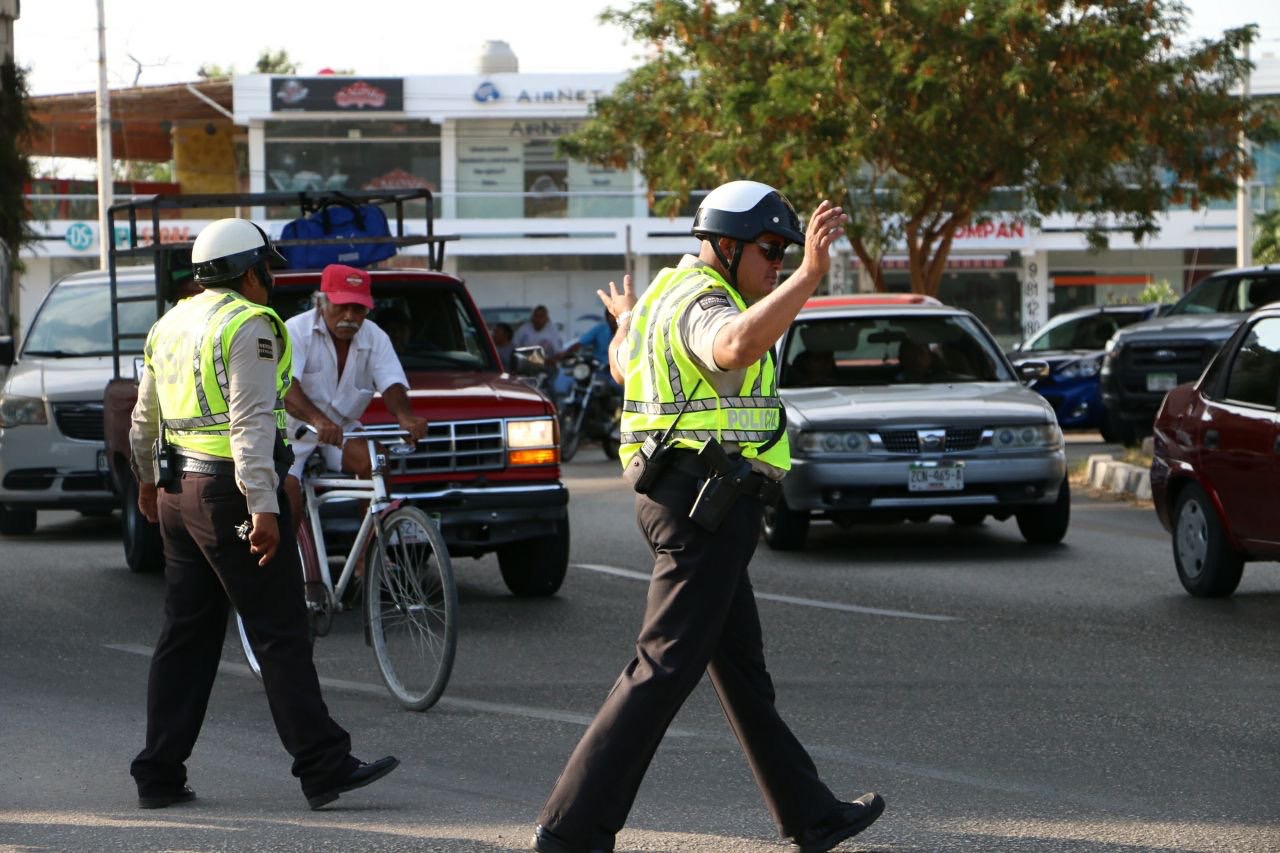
(785, 529)
(1207, 564)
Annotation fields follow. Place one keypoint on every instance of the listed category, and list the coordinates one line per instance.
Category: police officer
(207, 428)
(694, 355)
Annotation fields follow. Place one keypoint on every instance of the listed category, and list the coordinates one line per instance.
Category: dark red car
(1217, 461)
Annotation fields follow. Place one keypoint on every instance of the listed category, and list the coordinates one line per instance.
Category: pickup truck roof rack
(145, 211)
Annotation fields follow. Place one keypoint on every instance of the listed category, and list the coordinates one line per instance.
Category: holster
(164, 469)
(646, 465)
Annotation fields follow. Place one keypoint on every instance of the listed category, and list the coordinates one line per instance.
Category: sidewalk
(1106, 473)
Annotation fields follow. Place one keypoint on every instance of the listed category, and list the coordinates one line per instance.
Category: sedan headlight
(1081, 369)
(17, 411)
(843, 441)
(1026, 435)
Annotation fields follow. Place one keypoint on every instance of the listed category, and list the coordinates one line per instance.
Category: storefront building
(538, 228)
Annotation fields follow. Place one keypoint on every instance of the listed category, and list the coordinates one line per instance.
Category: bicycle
(410, 599)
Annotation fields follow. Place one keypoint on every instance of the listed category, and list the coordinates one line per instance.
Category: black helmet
(742, 210)
(228, 248)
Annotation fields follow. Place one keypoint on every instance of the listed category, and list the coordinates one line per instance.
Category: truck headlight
(532, 442)
(1025, 435)
(17, 411)
(842, 441)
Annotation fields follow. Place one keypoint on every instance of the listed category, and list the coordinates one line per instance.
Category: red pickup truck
(485, 468)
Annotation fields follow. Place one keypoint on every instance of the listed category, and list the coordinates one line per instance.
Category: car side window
(1254, 374)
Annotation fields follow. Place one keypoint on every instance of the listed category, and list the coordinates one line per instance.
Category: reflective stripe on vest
(661, 373)
(186, 352)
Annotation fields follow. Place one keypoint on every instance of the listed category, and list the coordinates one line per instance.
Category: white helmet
(745, 209)
(228, 248)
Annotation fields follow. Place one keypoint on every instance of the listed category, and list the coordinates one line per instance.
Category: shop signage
(487, 93)
(168, 234)
(992, 231)
(337, 94)
(79, 236)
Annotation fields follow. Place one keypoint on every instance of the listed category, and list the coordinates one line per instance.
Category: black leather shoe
(161, 799)
(363, 774)
(546, 841)
(844, 821)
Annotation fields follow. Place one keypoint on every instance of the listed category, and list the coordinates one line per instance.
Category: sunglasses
(772, 251)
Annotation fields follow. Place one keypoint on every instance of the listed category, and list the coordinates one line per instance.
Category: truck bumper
(479, 520)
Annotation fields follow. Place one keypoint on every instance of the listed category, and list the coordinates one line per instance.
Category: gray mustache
(347, 324)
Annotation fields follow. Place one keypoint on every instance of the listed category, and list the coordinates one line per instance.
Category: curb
(1104, 472)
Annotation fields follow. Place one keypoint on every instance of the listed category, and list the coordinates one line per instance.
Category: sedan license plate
(1162, 381)
(940, 477)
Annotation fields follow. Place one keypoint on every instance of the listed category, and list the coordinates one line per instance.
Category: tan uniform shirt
(251, 400)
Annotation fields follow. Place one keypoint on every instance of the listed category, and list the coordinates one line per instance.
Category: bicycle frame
(343, 488)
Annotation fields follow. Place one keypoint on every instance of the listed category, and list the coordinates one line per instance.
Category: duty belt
(191, 465)
(755, 485)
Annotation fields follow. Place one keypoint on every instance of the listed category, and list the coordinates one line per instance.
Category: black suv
(1143, 362)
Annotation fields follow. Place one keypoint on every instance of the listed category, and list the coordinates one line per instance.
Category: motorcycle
(591, 408)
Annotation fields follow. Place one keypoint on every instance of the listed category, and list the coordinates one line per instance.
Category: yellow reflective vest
(187, 351)
(664, 385)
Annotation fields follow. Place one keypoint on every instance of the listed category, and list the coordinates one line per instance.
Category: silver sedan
(906, 410)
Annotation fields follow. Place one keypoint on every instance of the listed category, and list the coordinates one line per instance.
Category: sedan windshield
(861, 351)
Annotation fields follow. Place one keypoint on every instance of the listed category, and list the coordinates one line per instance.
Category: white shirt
(372, 365)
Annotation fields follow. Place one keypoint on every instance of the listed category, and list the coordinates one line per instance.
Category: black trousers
(700, 616)
(208, 567)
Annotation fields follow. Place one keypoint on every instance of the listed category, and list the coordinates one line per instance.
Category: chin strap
(731, 267)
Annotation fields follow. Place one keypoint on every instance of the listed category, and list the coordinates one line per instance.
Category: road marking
(477, 705)
(785, 599)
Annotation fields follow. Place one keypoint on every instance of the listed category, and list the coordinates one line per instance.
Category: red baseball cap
(344, 285)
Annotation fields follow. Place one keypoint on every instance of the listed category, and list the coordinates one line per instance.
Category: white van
(51, 412)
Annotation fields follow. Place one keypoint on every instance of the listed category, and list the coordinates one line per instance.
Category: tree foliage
(269, 62)
(919, 114)
(16, 130)
(1266, 232)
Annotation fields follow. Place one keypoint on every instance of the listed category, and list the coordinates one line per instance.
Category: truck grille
(908, 441)
(81, 421)
(1187, 359)
(457, 446)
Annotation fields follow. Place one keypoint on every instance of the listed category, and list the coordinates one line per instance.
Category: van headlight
(842, 441)
(1025, 435)
(19, 411)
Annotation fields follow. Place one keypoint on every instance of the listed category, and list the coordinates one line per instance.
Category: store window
(352, 156)
(509, 169)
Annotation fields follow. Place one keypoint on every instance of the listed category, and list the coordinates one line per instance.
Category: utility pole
(106, 194)
(1244, 207)
(10, 11)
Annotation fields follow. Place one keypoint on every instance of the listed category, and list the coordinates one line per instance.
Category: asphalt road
(1000, 696)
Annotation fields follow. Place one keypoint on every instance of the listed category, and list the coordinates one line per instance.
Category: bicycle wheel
(411, 605)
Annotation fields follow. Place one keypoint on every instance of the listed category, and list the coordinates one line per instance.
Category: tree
(269, 62)
(930, 115)
(16, 129)
(1266, 233)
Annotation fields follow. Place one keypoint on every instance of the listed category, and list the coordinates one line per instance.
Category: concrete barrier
(1108, 474)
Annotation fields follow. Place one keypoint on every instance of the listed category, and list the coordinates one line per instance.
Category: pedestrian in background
(209, 453)
(699, 503)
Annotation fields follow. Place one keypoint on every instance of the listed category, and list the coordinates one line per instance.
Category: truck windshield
(75, 320)
(431, 328)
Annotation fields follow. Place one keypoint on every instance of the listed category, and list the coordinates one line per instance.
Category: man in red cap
(340, 359)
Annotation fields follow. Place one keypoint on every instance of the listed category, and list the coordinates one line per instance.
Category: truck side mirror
(527, 361)
(6, 351)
